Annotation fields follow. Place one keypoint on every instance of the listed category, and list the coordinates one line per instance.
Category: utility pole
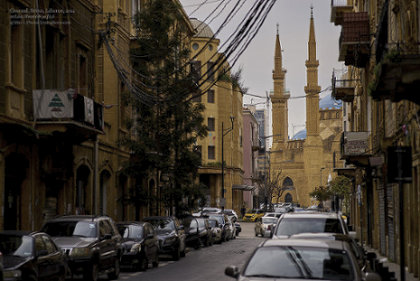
(224, 133)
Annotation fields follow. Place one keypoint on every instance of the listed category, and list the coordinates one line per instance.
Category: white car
(302, 259)
(265, 226)
(316, 222)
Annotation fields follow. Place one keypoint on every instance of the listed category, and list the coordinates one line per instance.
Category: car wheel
(114, 275)
(176, 254)
(156, 262)
(143, 264)
(31, 277)
(91, 273)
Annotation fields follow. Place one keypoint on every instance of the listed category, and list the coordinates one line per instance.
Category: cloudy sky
(257, 61)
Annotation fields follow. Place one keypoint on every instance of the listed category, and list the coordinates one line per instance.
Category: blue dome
(300, 135)
(328, 102)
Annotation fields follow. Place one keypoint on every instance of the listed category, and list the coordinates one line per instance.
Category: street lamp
(224, 133)
(320, 176)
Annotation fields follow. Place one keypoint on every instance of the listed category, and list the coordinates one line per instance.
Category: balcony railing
(355, 147)
(343, 89)
(397, 75)
(72, 114)
(338, 9)
(354, 41)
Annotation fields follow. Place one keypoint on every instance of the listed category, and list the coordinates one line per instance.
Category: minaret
(312, 88)
(279, 100)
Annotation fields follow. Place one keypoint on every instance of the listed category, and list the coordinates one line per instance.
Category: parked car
(171, 235)
(273, 214)
(238, 228)
(252, 215)
(231, 214)
(294, 223)
(264, 226)
(205, 210)
(222, 219)
(357, 249)
(140, 245)
(31, 256)
(204, 227)
(302, 259)
(92, 244)
(232, 228)
(216, 230)
(195, 233)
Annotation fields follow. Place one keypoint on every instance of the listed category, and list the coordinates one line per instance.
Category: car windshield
(269, 220)
(213, 223)
(290, 226)
(16, 245)
(162, 225)
(300, 262)
(219, 219)
(71, 228)
(131, 231)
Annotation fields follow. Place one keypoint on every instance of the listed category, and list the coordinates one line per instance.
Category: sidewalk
(392, 267)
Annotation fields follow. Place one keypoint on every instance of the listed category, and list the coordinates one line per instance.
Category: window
(210, 96)
(195, 46)
(211, 152)
(196, 70)
(210, 71)
(211, 124)
(135, 8)
(16, 55)
(82, 83)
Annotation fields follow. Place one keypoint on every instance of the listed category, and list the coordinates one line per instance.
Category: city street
(207, 263)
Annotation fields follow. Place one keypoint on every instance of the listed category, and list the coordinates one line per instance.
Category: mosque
(308, 159)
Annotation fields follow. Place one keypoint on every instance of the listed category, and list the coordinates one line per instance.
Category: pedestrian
(243, 211)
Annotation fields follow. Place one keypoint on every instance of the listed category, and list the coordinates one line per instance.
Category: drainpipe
(95, 176)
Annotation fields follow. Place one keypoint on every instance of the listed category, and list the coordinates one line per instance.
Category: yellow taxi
(252, 215)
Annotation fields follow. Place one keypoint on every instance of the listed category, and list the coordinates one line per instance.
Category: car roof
(318, 243)
(311, 215)
(78, 218)
(322, 235)
(141, 223)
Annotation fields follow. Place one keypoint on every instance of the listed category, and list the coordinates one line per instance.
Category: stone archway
(105, 179)
(82, 182)
(288, 198)
(15, 172)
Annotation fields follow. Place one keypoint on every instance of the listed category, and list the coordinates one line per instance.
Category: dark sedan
(31, 256)
(170, 234)
(140, 245)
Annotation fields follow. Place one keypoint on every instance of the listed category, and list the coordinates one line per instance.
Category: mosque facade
(307, 160)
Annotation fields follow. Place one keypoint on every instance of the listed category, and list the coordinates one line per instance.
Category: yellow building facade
(223, 116)
(307, 161)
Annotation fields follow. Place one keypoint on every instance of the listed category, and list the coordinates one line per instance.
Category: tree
(321, 194)
(270, 187)
(341, 188)
(167, 123)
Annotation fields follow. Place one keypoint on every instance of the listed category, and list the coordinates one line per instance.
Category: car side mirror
(372, 276)
(107, 236)
(233, 271)
(41, 253)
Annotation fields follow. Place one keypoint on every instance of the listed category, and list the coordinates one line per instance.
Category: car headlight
(170, 240)
(136, 248)
(12, 274)
(80, 252)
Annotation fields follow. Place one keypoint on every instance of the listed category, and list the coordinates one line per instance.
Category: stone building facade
(301, 164)
(380, 47)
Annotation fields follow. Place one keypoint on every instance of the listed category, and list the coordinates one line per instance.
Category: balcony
(338, 9)
(397, 77)
(355, 148)
(354, 41)
(343, 89)
(68, 114)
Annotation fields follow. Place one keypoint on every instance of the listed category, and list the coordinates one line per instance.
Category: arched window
(288, 198)
(288, 184)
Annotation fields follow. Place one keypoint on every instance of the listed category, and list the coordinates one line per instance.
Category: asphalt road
(206, 264)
